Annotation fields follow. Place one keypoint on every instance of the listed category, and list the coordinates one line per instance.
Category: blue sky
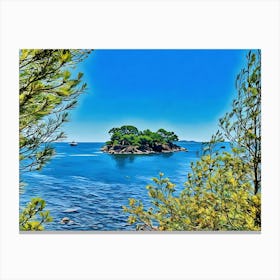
(185, 91)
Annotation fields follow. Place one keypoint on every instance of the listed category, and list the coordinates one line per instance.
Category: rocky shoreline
(144, 150)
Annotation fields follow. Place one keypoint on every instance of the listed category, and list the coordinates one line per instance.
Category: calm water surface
(90, 187)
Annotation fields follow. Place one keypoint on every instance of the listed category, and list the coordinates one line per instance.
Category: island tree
(167, 136)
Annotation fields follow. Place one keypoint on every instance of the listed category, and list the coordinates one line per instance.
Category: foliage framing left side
(46, 92)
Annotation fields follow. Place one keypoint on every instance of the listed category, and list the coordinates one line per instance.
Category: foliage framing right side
(223, 190)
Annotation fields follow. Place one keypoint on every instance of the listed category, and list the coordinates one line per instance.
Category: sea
(90, 187)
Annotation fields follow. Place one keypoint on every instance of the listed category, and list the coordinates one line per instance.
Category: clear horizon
(185, 91)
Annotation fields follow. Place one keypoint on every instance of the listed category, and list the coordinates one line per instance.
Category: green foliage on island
(47, 91)
(223, 189)
(129, 135)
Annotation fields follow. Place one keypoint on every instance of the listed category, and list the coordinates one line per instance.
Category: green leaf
(66, 75)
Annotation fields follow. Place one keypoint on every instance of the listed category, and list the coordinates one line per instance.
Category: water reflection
(123, 160)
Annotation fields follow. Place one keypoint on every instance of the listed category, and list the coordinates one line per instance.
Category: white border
(155, 24)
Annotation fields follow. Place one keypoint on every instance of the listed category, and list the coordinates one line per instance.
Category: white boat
(73, 143)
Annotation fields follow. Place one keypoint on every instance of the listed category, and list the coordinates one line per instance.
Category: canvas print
(150, 140)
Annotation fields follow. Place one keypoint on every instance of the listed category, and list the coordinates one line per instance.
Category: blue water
(90, 187)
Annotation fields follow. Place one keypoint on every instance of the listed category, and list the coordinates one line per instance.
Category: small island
(129, 140)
